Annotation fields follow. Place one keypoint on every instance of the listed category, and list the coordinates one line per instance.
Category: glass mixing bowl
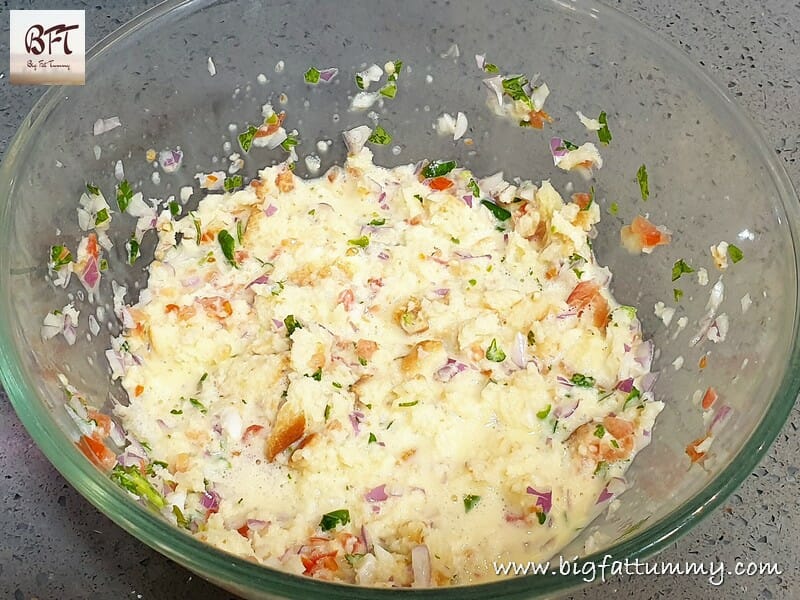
(711, 178)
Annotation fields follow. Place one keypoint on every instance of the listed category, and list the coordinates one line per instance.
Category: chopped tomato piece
(137, 391)
(642, 236)
(440, 183)
(709, 398)
(582, 199)
(692, 452)
(347, 299)
(538, 118)
(583, 294)
(97, 452)
(251, 431)
(103, 423)
(703, 362)
(216, 307)
(244, 530)
(91, 245)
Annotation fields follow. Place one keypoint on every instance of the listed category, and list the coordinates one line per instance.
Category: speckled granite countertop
(54, 544)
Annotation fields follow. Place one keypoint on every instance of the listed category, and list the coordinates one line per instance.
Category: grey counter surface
(54, 544)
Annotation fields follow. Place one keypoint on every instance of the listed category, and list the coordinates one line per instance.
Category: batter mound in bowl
(391, 377)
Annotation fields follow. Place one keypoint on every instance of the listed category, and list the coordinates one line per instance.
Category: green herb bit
(334, 518)
(101, 217)
(380, 136)
(524, 123)
(198, 232)
(292, 324)
(613, 208)
(495, 354)
(198, 405)
(389, 90)
(327, 413)
(182, 521)
(176, 411)
(455, 240)
(634, 394)
(359, 82)
(337, 385)
(601, 468)
(233, 182)
(438, 168)
(92, 189)
(124, 194)
(362, 361)
(603, 134)
(514, 88)
(542, 414)
(644, 187)
(471, 501)
(372, 439)
(541, 517)
(472, 186)
(418, 197)
(290, 142)
(500, 213)
(576, 258)
(531, 338)
(679, 268)
(677, 293)
(312, 76)
(246, 138)
(408, 404)
(133, 250)
(60, 256)
(569, 145)
(361, 242)
(491, 68)
(131, 479)
(174, 208)
(377, 222)
(472, 282)
(227, 243)
(599, 431)
(614, 443)
(317, 375)
(578, 272)
(352, 559)
(203, 377)
(103, 264)
(735, 253)
(582, 380)
(398, 66)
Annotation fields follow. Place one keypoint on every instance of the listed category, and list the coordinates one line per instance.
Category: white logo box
(47, 47)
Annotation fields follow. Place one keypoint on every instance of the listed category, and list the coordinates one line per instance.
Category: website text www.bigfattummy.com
(714, 571)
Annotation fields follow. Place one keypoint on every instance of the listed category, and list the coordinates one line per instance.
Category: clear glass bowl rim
(221, 567)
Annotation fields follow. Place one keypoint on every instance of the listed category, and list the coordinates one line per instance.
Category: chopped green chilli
(582, 380)
(438, 168)
(380, 136)
(470, 502)
(133, 250)
(232, 183)
(644, 186)
(495, 354)
(679, 268)
(292, 324)
(603, 134)
(132, 479)
(735, 253)
(361, 242)
(227, 243)
(542, 414)
(312, 76)
(59, 257)
(246, 138)
(334, 518)
(500, 213)
(124, 195)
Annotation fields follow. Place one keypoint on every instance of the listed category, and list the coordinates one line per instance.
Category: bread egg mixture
(389, 377)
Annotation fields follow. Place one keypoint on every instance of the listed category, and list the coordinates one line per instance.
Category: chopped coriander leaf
(103, 264)
(133, 250)
(500, 213)
(438, 168)
(317, 375)
(361, 242)
(524, 123)
(578, 272)
(541, 517)
(542, 414)
(389, 90)
(246, 138)
(337, 385)
(472, 186)
(132, 479)
(101, 217)
(290, 142)
(227, 244)
(677, 293)
(312, 75)
(599, 431)
(615, 443)
(179, 518)
(644, 187)
(495, 354)
(60, 256)
(292, 324)
(531, 338)
(582, 380)
(679, 268)
(472, 281)
(418, 197)
(735, 253)
(491, 68)
(601, 468)
(327, 413)
(380, 136)
(124, 194)
(198, 405)
(569, 145)
(613, 208)
(470, 502)
(176, 411)
(514, 88)
(359, 82)
(377, 222)
(398, 66)
(362, 361)
(332, 519)
(372, 439)
(408, 404)
(232, 182)
(455, 240)
(575, 258)
(174, 208)
(92, 189)
(634, 394)
(603, 134)
(198, 232)
(239, 231)
(352, 559)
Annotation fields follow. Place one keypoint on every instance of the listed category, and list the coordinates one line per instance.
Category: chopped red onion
(259, 280)
(421, 566)
(328, 74)
(557, 149)
(271, 210)
(644, 354)
(116, 434)
(355, 138)
(519, 351)
(256, 524)
(170, 160)
(105, 125)
(278, 323)
(91, 275)
(367, 538)
(383, 256)
(163, 425)
(191, 281)
(210, 501)
(495, 85)
(604, 496)
(480, 60)
(564, 381)
(562, 412)
(720, 418)
(625, 385)
(128, 459)
(467, 199)
(566, 315)
(544, 500)
(356, 418)
(626, 347)
(648, 381)
(442, 291)
(450, 370)
(467, 256)
(377, 494)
